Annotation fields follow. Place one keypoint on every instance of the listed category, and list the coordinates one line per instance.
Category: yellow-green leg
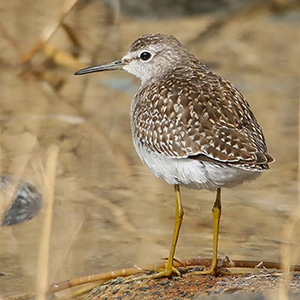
(169, 269)
(216, 212)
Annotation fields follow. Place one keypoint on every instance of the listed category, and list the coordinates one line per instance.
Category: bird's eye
(145, 56)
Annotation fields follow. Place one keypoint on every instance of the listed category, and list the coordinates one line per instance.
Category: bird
(190, 127)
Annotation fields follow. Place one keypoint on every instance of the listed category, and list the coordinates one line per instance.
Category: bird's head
(150, 56)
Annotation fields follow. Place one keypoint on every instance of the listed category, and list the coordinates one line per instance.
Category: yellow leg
(216, 211)
(169, 269)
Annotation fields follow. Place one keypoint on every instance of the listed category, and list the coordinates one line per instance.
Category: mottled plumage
(192, 111)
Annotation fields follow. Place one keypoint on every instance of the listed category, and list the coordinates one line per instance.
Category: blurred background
(109, 212)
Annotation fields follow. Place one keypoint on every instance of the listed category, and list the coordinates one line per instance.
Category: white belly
(194, 173)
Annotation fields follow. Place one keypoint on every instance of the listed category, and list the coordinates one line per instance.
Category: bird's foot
(216, 269)
(166, 272)
(157, 273)
(212, 271)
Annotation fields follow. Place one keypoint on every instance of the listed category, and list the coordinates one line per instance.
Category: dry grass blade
(9, 38)
(61, 57)
(72, 36)
(49, 32)
(42, 272)
(288, 232)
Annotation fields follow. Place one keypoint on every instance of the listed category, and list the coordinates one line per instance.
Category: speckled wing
(198, 114)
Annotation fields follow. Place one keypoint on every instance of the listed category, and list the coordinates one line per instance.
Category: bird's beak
(114, 65)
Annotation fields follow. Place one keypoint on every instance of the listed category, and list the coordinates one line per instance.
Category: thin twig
(48, 32)
(56, 287)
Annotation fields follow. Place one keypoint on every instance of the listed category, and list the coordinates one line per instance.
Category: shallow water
(109, 211)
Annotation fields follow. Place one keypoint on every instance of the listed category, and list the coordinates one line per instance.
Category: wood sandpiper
(190, 126)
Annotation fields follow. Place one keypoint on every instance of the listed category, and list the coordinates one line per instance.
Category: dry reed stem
(9, 38)
(71, 34)
(78, 292)
(288, 232)
(43, 262)
(61, 57)
(49, 31)
(187, 263)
